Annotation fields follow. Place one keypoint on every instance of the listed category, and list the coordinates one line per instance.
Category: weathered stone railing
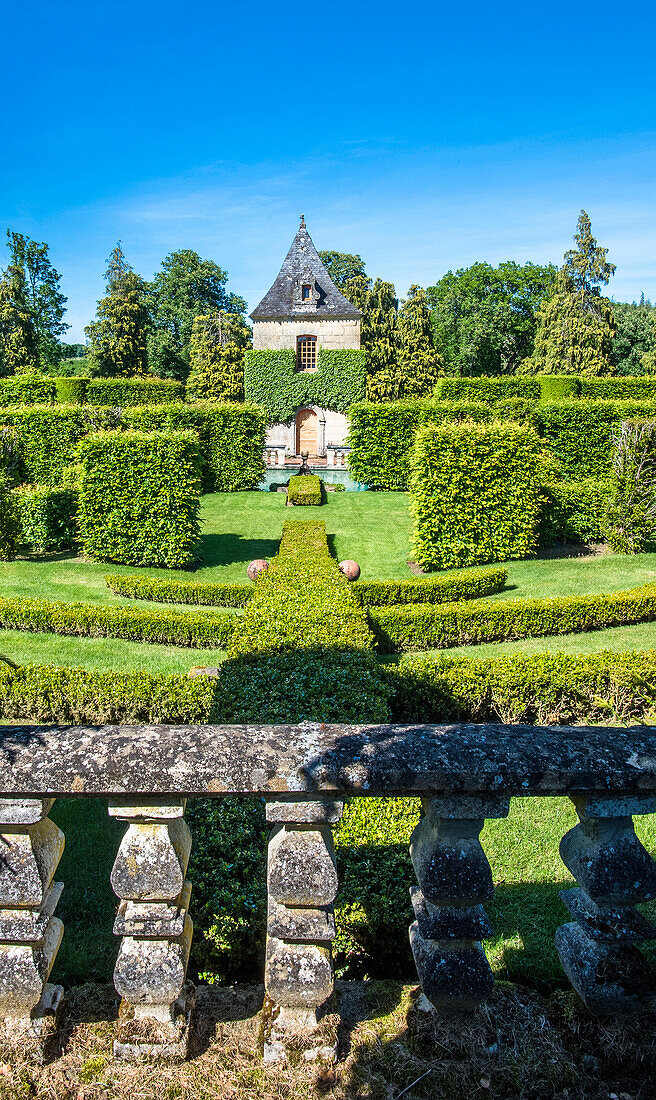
(464, 774)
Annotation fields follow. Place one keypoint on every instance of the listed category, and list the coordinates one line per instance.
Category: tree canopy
(484, 317)
(186, 287)
(117, 339)
(19, 351)
(635, 336)
(37, 298)
(343, 266)
(216, 351)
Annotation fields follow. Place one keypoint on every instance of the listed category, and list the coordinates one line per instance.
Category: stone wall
(332, 334)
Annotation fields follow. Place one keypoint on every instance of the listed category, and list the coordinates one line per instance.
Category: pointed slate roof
(303, 265)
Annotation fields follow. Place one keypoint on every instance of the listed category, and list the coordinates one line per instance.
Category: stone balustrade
(464, 774)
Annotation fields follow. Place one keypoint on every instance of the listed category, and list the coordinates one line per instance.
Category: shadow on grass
(228, 549)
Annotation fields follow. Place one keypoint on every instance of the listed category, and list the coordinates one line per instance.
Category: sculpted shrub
(475, 493)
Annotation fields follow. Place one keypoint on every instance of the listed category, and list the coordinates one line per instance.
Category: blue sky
(424, 136)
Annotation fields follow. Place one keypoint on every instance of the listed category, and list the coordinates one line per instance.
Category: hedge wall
(27, 389)
(47, 517)
(199, 630)
(46, 438)
(125, 392)
(272, 381)
(636, 388)
(578, 433)
(71, 391)
(205, 593)
(575, 511)
(305, 489)
(381, 436)
(139, 497)
(231, 438)
(489, 389)
(465, 584)
(474, 493)
(444, 626)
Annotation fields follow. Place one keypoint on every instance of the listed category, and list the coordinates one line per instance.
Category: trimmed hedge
(381, 435)
(9, 521)
(126, 392)
(39, 693)
(489, 389)
(47, 517)
(71, 390)
(231, 438)
(466, 584)
(575, 511)
(27, 389)
(198, 630)
(139, 498)
(578, 433)
(305, 489)
(302, 600)
(542, 688)
(205, 593)
(469, 623)
(632, 388)
(474, 493)
(46, 439)
(272, 381)
(558, 387)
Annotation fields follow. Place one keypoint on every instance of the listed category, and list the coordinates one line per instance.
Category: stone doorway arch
(307, 430)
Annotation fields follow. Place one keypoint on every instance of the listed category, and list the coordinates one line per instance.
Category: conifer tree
(418, 360)
(576, 324)
(18, 341)
(378, 304)
(117, 339)
(217, 358)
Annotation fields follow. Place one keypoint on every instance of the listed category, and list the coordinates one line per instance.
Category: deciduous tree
(186, 287)
(343, 266)
(19, 352)
(43, 296)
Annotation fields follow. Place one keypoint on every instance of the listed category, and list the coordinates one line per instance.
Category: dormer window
(306, 292)
(306, 353)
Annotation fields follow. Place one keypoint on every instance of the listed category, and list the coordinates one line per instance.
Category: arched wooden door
(306, 432)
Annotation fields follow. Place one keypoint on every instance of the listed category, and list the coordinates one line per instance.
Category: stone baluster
(454, 879)
(30, 849)
(302, 884)
(156, 929)
(598, 949)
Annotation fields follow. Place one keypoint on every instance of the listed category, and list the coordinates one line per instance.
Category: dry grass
(517, 1046)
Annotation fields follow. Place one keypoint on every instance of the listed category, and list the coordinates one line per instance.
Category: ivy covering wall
(272, 381)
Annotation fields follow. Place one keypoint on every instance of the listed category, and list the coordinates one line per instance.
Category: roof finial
(302, 225)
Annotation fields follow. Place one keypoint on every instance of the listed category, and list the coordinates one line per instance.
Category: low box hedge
(541, 688)
(138, 624)
(205, 593)
(47, 517)
(464, 584)
(449, 625)
(305, 489)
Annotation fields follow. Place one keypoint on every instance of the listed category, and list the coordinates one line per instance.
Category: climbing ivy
(272, 381)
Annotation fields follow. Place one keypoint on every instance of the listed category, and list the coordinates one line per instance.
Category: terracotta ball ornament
(256, 567)
(350, 569)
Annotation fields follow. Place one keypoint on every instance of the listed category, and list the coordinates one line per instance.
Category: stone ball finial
(350, 569)
(259, 565)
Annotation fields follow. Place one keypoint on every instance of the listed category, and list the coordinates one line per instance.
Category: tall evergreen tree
(418, 360)
(379, 307)
(43, 295)
(216, 352)
(19, 352)
(186, 287)
(576, 324)
(117, 339)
